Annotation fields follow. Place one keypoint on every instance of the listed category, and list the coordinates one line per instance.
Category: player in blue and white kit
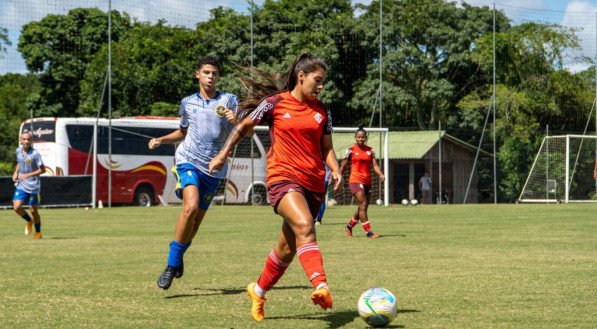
(206, 119)
(26, 178)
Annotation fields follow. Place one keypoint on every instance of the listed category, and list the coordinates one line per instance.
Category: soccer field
(454, 266)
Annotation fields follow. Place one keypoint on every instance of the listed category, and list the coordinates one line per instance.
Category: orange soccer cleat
(28, 227)
(37, 236)
(257, 303)
(322, 297)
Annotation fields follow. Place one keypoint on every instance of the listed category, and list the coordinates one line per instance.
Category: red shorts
(356, 187)
(277, 190)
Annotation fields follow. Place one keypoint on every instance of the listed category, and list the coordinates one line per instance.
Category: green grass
(474, 266)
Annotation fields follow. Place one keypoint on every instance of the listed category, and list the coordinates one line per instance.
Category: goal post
(378, 139)
(562, 171)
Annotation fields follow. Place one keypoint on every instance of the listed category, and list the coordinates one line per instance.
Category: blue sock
(37, 227)
(186, 246)
(175, 254)
(321, 211)
(26, 217)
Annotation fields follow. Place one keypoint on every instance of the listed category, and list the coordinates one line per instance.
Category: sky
(15, 13)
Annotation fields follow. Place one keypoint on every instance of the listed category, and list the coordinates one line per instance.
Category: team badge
(28, 162)
(318, 117)
(208, 197)
(220, 110)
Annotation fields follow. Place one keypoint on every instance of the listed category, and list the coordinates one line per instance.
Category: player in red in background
(300, 131)
(361, 158)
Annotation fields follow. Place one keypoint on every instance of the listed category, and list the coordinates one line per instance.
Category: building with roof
(410, 155)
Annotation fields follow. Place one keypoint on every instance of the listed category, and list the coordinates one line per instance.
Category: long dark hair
(261, 84)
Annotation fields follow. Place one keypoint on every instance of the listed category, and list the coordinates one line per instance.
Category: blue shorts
(207, 185)
(31, 198)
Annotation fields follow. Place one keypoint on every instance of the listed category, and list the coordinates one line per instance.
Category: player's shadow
(334, 319)
(215, 292)
(61, 238)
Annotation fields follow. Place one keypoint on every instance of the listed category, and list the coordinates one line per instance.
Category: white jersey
(207, 130)
(29, 162)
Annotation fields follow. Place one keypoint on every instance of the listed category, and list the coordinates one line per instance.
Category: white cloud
(580, 15)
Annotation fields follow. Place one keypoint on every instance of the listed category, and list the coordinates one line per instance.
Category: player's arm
(329, 156)
(37, 172)
(173, 137)
(236, 134)
(15, 175)
(377, 170)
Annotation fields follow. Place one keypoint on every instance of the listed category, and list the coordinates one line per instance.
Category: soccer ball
(379, 202)
(404, 202)
(414, 202)
(377, 307)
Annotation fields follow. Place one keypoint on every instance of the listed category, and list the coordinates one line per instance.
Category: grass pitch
(473, 266)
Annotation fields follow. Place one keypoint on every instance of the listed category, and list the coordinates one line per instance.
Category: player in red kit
(361, 157)
(300, 131)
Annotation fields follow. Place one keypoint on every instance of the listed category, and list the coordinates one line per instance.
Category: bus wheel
(258, 195)
(144, 196)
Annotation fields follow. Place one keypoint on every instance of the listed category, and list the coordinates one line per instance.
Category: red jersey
(296, 130)
(360, 159)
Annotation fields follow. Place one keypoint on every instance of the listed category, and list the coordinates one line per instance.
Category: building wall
(456, 169)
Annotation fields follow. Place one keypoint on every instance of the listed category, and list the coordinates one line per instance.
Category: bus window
(80, 137)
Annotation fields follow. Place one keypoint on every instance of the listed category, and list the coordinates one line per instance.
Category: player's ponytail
(360, 128)
(260, 84)
(305, 62)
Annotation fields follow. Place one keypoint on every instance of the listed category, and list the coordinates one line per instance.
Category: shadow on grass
(334, 319)
(60, 238)
(214, 292)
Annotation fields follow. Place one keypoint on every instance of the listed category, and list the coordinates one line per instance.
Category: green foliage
(534, 92)
(437, 65)
(151, 63)
(163, 109)
(42, 44)
(7, 168)
(15, 91)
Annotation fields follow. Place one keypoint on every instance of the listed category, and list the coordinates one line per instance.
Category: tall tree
(534, 91)
(15, 93)
(150, 63)
(426, 64)
(59, 48)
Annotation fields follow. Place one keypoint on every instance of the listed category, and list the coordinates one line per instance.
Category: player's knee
(363, 205)
(33, 210)
(304, 230)
(189, 210)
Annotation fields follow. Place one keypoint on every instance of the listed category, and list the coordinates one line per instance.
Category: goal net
(563, 171)
(246, 178)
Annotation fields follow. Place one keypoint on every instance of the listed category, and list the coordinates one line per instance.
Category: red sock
(310, 258)
(272, 271)
(366, 226)
(352, 222)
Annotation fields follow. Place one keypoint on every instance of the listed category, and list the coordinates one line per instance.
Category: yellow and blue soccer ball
(377, 307)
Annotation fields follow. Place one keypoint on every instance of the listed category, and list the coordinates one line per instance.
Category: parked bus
(140, 176)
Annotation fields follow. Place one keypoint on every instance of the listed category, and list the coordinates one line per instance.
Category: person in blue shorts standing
(206, 119)
(26, 178)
